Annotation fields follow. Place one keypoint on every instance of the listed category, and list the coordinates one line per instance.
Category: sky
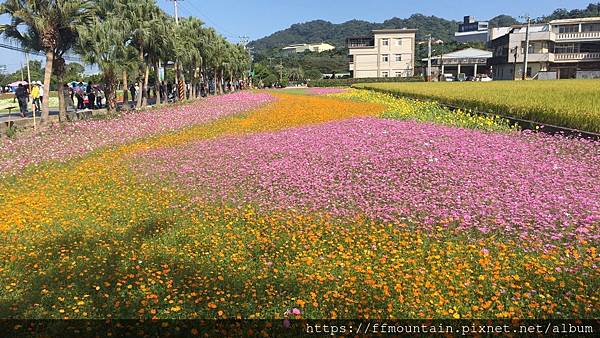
(259, 18)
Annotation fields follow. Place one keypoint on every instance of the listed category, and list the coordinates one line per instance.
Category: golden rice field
(567, 103)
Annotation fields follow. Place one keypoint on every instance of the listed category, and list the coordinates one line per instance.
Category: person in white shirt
(41, 91)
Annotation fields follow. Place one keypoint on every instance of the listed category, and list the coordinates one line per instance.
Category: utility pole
(22, 77)
(515, 65)
(180, 89)
(280, 72)
(526, 46)
(244, 40)
(176, 11)
(429, 60)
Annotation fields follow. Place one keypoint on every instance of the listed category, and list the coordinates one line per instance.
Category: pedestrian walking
(137, 91)
(91, 96)
(133, 91)
(79, 93)
(22, 95)
(69, 105)
(161, 91)
(35, 97)
(99, 95)
(41, 91)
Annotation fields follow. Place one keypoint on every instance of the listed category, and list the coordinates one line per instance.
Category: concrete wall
(588, 74)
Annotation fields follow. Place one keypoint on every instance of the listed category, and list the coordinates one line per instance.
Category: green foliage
(593, 9)
(350, 82)
(502, 21)
(313, 75)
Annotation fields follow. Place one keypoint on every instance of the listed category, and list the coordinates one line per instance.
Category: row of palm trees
(122, 37)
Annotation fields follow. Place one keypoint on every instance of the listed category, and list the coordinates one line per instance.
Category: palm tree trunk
(141, 93)
(222, 81)
(109, 90)
(182, 81)
(145, 88)
(47, 78)
(125, 90)
(157, 84)
(62, 110)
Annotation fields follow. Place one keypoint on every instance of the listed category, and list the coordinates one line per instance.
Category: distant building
(433, 42)
(471, 30)
(469, 61)
(337, 75)
(387, 53)
(313, 47)
(561, 49)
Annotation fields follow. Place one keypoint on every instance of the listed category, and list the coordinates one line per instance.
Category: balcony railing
(578, 36)
(360, 42)
(577, 56)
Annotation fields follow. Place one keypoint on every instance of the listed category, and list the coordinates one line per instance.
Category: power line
(24, 50)
(193, 10)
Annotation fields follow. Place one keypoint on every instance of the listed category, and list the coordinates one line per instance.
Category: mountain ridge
(315, 31)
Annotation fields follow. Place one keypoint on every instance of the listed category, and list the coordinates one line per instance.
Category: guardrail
(577, 56)
(578, 36)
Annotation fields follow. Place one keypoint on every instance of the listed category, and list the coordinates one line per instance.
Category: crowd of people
(80, 96)
(88, 96)
(25, 93)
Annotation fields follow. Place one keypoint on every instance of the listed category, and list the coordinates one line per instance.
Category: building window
(590, 27)
(398, 74)
(385, 58)
(385, 42)
(398, 57)
(398, 42)
(566, 48)
(568, 29)
(532, 48)
(385, 74)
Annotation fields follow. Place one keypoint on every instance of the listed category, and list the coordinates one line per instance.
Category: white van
(448, 78)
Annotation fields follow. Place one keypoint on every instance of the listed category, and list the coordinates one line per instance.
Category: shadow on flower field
(142, 229)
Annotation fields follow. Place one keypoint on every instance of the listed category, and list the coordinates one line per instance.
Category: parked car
(483, 78)
(448, 78)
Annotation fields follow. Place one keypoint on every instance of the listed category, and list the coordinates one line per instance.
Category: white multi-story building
(471, 30)
(387, 53)
(560, 49)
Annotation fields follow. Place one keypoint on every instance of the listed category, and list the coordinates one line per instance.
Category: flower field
(568, 103)
(423, 111)
(335, 203)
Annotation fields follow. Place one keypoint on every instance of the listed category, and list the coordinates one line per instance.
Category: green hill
(336, 34)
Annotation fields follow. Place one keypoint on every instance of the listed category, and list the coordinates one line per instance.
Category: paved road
(15, 115)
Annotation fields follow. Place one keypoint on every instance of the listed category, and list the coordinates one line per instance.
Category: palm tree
(188, 45)
(49, 26)
(104, 42)
(142, 15)
(161, 46)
